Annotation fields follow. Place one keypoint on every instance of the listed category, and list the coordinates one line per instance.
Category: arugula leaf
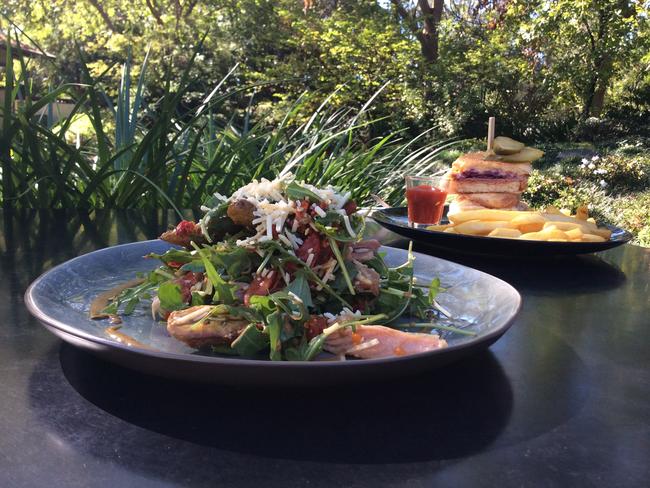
(315, 346)
(274, 327)
(300, 287)
(377, 263)
(175, 255)
(263, 304)
(296, 353)
(290, 258)
(337, 233)
(246, 313)
(339, 257)
(133, 295)
(223, 291)
(251, 341)
(234, 261)
(195, 266)
(170, 296)
(297, 192)
(434, 289)
(198, 298)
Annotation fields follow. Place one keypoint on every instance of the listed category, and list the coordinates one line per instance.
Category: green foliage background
(535, 64)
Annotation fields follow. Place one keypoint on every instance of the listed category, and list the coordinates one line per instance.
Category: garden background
(160, 103)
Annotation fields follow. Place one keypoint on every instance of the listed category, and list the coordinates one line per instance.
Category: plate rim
(45, 319)
(627, 236)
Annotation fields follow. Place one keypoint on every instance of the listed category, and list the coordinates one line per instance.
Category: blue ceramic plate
(395, 219)
(61, 299)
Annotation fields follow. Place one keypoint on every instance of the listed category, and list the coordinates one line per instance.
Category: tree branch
(153, 8)
(104, 15)
(190, 7)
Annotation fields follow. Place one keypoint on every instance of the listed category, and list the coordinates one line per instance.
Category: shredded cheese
(346, 221)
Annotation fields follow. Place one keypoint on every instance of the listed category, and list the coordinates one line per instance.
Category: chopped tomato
(350, 207)
(185, 228)
(301, 212)
(261, 285)
(325, 252)
(315, 325)
(311, 245)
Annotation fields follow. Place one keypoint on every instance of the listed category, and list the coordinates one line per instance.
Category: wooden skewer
(490, 140)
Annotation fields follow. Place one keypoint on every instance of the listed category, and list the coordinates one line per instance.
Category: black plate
(395, 219)
(61, 298)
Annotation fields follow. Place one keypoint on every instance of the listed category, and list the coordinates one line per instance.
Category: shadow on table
(573, 274)
(452, 412)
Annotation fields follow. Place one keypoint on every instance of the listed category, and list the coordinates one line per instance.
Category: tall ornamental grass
(157, 153)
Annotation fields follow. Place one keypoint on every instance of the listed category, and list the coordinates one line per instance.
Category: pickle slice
(526, 155)
(505, 145)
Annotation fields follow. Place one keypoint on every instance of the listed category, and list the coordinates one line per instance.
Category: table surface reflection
(561, 400)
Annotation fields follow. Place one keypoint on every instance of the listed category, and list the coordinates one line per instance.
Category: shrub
(618, 173)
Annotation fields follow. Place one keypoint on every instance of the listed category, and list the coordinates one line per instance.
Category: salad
(280, 269)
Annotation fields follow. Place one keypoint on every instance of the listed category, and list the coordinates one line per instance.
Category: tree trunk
(428, 36)
(598, 100)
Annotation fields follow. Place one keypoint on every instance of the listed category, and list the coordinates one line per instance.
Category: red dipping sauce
(425, 204)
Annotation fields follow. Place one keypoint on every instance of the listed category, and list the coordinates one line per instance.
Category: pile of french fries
(550, 224)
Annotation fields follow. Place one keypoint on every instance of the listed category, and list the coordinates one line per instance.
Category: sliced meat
(241, 212)
(377, 341)
(198, 329)
(366, 280)
(184, 234)
(186, 282)
(363, 250)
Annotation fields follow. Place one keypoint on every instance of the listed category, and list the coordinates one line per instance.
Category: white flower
(603, 184)
(584, 161)
(591, 166)
(600, 171)
(595, 158)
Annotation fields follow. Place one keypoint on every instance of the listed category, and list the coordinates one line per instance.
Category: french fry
(439, 227)
(551, 225)
(603, 232)
(564, 225)
(592, 238)
(481, 228)
(528, 222)
(553, 232)
(553, 210)
(574, 234)
(505, 233)
(554, 218)
(533, 236)
(546, 234)
(483, 215)
(582, 213)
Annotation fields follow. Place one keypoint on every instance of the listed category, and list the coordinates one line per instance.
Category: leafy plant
(164, 154)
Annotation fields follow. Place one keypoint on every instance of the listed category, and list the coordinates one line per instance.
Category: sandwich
(492, 179)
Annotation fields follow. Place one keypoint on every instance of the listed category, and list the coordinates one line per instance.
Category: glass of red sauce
(425, 196)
